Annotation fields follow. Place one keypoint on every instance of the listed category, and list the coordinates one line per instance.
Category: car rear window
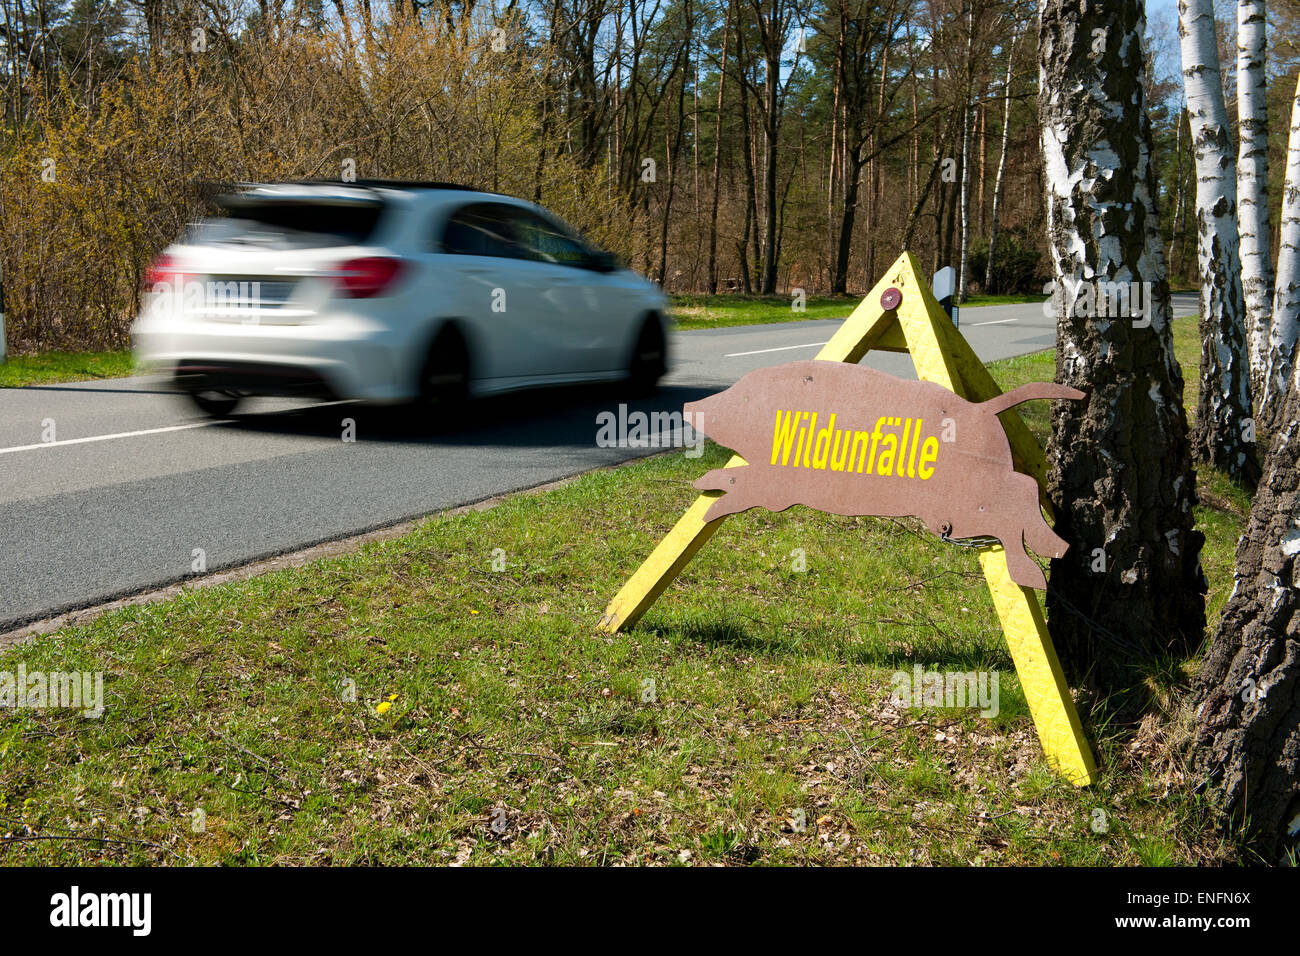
(343, 223)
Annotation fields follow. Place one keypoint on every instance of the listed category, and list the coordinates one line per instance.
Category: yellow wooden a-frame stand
(920, 327)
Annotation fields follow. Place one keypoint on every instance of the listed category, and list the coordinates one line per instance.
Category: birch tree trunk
(1180, 203)
(1130, 590)
(1285, 326)
(1224, 431)
(1247, 695)
(1252, 183)
(964, 255)
(717, 158)
(1002, 162)
(695, 133)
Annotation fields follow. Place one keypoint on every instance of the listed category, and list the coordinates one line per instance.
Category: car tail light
(164, 269)
(370, 276)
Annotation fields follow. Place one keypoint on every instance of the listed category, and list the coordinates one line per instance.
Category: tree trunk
(771, 141)
(844, 241)
(877, 162)
(1252, 183)
(914, 217)
(1224, 431)
(695, 138)
(833, 177)
(1247, 694)
(1285, 326)
(968, 92)
(717, 160)
(1002, 163)
(751, 186)
(914, 165)
(1180, 202)
(673, 146)
(937, 148)
(980, 205)
(1120, 475)
(47, 77)
(833, 186)
(953, 203)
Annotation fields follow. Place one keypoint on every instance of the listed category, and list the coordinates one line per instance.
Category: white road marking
(92, 438)
(993, 322)
(146, 431)
(783, 348)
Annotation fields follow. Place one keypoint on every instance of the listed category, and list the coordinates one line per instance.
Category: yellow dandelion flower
(384, 707)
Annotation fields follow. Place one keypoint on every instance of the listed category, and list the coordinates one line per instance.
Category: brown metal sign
(850, 440)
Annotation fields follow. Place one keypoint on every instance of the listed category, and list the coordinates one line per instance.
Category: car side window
(547, 242)
(481, 229)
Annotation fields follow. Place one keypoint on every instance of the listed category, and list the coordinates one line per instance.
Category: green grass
(51, 367)
(718, 311)
(519, 733)
(1020, 298)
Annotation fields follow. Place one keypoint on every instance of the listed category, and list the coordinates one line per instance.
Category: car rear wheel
(648, 363)
(215, 402)
(444, 381)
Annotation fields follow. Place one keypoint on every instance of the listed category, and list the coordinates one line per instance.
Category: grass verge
(52, 367)
(409, 704)
(719, 311)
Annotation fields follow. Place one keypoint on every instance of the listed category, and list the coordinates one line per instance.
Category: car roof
(357, 190)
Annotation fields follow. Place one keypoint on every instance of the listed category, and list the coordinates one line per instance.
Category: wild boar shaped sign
(850, 440)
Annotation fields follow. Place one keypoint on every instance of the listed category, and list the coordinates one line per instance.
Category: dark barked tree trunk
(1247, 694)
(1120, 472)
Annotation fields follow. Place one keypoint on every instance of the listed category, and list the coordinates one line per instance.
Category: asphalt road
(135, 482)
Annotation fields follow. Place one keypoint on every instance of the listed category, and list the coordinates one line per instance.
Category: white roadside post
(945, 290)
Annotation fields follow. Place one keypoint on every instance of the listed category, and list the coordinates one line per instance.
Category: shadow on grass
(839, 643)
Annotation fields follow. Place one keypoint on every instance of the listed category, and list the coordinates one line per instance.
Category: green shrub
(1018, 266)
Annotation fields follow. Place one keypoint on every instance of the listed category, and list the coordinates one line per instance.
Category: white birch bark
(1223, 435)
(1002, 161)
(964, 257)
(1252, 183)
(1281, 365)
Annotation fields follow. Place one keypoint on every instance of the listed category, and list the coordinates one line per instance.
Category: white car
(391, 292)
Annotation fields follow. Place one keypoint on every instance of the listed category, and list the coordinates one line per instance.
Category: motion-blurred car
(391, 292)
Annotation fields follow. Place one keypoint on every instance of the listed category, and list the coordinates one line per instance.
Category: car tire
(648, 362)
(444, 378)
(215, 402)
